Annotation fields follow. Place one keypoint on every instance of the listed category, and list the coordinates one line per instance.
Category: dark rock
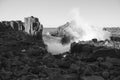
(114, 53)
(114, 61)
(94, 40)
(17, 25)
(5, 26)
(105, 74)
(71, 77)
(11, 25)
(20, 56)
(75, 48)
(107, 64)
(116, 78)
(29, 77)
(63, 32)
(63, 64)
(65, 39)
(74, 67)
(84, 50)
(93, 78)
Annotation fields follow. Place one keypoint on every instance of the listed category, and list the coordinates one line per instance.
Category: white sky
(53, 13)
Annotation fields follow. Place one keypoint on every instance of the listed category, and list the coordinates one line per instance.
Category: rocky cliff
(31, 26)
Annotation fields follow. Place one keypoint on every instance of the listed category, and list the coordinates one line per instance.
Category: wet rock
(84, 50)
(94, 40)
(75, 48)
(65, 39)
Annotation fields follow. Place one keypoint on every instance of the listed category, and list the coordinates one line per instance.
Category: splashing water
(83, 31)
(80, 31)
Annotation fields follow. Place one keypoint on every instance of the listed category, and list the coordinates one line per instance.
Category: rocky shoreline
(23, 56)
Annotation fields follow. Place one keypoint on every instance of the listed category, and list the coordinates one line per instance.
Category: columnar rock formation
(33, 27)
(17, 25)
(12, 25)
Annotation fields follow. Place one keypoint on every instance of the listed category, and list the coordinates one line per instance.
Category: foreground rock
(91, 50)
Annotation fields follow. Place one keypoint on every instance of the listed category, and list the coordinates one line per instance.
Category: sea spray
(80, 30)
(83, 31)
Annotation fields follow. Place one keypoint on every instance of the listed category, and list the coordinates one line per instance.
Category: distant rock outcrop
(17, 25)
(64, 31)
(5, 25)
(12, 25)
(33, 27)
(61, 30)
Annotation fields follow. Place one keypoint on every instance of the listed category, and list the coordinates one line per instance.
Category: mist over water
(54, 45)
(57, 48)
(80, 30)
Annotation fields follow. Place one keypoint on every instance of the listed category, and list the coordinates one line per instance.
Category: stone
(93, 78)
(84, 50)
(17, 25)
(75, 48)
(107, 64)
(94, 40)
(105, 74)
(5, 26)
(11, 25)
(71, 77)
(33, 27)
(117, 78)
(113, 53)
(114, 61)
(74, 67)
